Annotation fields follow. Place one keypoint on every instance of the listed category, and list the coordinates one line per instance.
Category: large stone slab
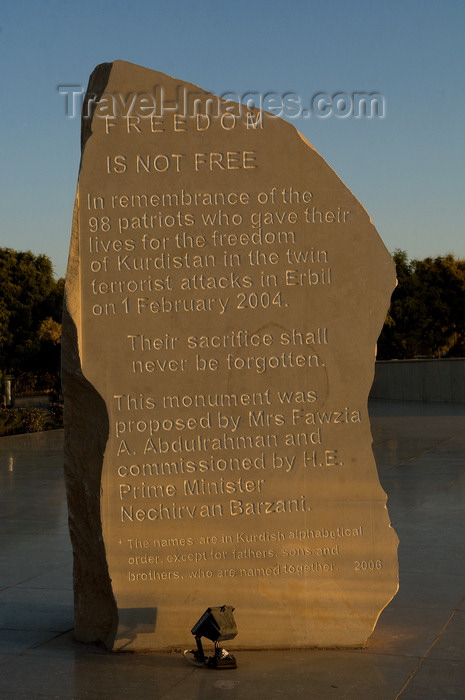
(224, 296)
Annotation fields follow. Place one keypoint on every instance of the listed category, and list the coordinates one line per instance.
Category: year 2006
(368, 565)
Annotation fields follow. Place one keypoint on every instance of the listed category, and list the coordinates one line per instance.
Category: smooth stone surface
(414, 653)
(224, 296)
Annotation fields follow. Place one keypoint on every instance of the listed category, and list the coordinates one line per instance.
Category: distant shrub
(14, 421)
(10, 421)
(33, 419)
(34, 382)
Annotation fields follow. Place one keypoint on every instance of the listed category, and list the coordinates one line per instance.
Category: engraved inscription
(230, 297)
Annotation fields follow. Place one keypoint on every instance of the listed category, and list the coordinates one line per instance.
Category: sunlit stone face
(224, 297)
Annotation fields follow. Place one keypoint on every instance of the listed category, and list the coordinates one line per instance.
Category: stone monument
(224, 295)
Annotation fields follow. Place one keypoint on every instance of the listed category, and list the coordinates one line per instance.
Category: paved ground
(417, 651)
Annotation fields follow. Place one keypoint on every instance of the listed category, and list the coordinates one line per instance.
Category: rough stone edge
(96, 615)
(86, 435)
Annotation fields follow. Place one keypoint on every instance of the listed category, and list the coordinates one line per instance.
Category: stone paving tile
(436, 680)
(451, 644)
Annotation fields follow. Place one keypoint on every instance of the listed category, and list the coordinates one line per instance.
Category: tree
(50, 331)
(427, 313)
(442, 282)
(28, 295)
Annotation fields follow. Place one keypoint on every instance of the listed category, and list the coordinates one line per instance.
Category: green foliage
(35, 382)
(25, 420)
(427, 313)
(31, 302)
(50, 331)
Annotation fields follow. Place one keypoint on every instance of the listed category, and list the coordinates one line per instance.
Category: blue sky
(407, 168)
